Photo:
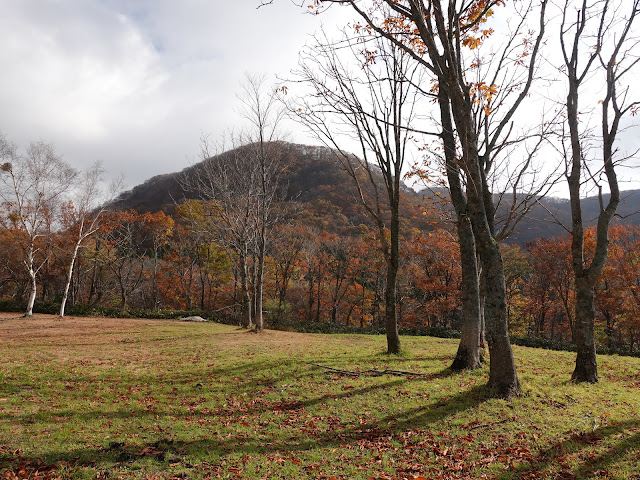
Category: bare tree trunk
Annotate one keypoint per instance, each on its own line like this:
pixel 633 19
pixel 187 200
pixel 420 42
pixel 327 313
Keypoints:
pixel 390 298
pixel 123 297
pixel 259 279
pixel 393 264
pixel 502 370
pixel 586 369
pixel 65 294
pixel 246 297
pixel 469 354
pixel 32 292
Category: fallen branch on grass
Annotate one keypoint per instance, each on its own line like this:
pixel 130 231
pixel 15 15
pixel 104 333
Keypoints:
pixel 490 424
pixel 369 373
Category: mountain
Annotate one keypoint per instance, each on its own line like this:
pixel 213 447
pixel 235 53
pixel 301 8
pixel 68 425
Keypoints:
pixel 551 216
pixel 318 183
pixel 314 179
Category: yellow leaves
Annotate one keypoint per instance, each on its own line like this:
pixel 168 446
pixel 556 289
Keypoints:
pixel 478 13
pixel 484 94
pixel 490 90
pixel 398 23
pixel 471 42
pixel 405 31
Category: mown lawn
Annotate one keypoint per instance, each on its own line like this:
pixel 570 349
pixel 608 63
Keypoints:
pixel 110 398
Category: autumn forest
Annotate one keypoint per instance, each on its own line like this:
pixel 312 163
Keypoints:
pixel 443 283
pixel 261 233
pixel 321 269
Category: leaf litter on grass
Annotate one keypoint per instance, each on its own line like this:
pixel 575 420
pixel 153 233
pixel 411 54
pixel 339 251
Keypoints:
pixel 209 401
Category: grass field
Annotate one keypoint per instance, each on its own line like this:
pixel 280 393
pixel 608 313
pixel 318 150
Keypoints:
pixel 110 398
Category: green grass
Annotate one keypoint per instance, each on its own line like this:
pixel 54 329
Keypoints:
pixel 151 399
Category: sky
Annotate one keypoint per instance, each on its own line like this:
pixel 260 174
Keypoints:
pixel 135 83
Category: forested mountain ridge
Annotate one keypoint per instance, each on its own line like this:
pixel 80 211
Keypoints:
pixel 316 180
pixel 313 178
pixel 550 216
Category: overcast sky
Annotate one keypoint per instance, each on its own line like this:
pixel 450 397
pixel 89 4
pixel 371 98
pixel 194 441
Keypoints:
pixel 133 83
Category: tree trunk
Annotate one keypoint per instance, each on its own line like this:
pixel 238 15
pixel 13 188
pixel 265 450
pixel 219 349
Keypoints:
pixel 469 355
pixel 32 294
pixel 393 264
pixel 503 378
pixel 390 295
pixel 334 313
pixel 65 294
pixel 318 295
pixel 586 365
pixel 246 298
pixel 258 318
pixel 203 287
pixel 32 281
pixel 123 297
pixel 502 370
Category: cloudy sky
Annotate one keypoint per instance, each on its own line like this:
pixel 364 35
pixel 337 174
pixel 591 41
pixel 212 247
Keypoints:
pixel 134 83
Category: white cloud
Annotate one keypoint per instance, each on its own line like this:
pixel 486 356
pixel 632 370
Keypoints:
pixel 133 83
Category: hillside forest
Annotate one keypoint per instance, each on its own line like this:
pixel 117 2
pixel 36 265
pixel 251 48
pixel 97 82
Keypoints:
pixel 265 233
pixel 322 273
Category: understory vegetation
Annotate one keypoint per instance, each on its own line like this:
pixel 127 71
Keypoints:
pixel 321 282
pixel 138 398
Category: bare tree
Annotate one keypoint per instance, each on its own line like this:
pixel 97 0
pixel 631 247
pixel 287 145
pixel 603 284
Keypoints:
pixel 375 105
pixel 243 187
pixel 598 45
pixel 32 186
pixel 227 185
pixel 123 253
pixel 265 152
pixel 82 214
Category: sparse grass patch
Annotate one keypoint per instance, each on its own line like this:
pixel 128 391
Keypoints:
pixel 98 398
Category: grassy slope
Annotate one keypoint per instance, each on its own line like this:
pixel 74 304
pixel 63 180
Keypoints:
pixel 87 398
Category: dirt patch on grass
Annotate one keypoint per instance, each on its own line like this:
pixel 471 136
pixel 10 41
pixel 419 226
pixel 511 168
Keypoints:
pixel 14 328
pixel 70 330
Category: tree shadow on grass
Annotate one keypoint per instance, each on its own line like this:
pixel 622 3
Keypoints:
pixel 249 406
pixel 294 435
pixel 595 455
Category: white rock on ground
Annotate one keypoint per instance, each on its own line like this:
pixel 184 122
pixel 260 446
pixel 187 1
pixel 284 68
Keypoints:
pixel 193 318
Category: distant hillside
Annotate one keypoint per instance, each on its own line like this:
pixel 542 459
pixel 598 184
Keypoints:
pixel 546 219
pixel 314 179
pixel 325 193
